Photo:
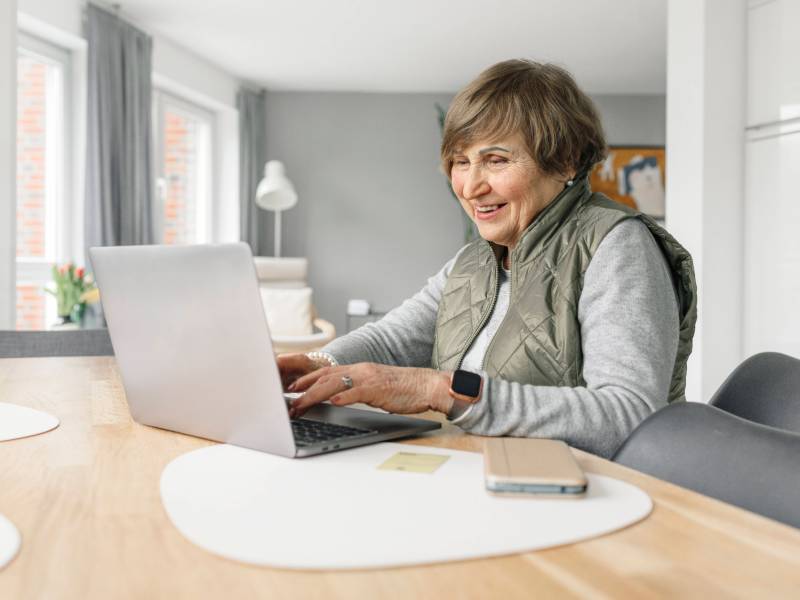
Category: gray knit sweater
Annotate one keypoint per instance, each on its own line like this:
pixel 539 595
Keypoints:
pixel 629 334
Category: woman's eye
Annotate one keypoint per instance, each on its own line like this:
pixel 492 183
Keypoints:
pixel 497 160
pixel 460 162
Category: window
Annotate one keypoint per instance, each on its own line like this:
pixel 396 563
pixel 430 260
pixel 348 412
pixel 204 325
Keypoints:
pixel 183 141
pixel 42 175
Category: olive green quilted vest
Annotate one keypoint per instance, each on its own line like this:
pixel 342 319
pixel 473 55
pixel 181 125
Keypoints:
pixel 539 340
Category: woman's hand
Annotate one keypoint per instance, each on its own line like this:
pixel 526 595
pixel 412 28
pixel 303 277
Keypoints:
pixel 294 366
pixel 402 390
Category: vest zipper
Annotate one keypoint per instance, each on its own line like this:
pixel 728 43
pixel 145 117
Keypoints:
pixel 500 326
pixel 485 318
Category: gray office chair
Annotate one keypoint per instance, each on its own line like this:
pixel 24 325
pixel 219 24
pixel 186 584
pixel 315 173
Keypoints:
pixel 705 449
pixel 765 389
pixel 82 342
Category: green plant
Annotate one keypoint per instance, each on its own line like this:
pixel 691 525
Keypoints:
pixel 71 284
pixel 469 227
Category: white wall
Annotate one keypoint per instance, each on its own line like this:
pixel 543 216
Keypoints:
pixel 8 162
pixel 193 72
pixel 63 15
pixel 706 69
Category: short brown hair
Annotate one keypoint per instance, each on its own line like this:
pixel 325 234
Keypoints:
pixel 541 101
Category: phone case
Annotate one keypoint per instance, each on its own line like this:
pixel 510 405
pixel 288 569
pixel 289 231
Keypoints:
pixel 532 467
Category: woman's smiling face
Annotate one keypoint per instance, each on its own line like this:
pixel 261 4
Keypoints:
pixel 501 188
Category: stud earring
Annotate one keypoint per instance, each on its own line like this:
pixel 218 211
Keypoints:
pixel 570 182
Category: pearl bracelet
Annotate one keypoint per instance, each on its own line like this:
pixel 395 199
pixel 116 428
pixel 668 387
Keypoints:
pixel 324 357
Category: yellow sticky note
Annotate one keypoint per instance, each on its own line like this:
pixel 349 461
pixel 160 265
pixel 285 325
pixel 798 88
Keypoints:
pixel 414 462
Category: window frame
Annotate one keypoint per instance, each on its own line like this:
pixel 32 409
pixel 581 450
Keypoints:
pixel 59 193
pixel 206 209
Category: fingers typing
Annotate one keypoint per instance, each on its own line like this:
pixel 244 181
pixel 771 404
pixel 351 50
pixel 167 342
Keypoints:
pixel 309 379
pixel 322 389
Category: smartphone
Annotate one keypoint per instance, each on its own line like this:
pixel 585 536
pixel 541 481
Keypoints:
pixel 532 467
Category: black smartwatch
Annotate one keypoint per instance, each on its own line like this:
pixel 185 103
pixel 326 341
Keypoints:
pixel 465 388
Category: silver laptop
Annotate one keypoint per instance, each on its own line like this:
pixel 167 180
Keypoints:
pixel 191 340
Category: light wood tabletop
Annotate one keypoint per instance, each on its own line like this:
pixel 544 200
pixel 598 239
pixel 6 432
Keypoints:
pixel 85 498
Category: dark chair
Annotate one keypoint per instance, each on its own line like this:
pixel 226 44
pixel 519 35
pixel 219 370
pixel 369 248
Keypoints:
pixel 707 450
pixel 81 342
pixel 764 389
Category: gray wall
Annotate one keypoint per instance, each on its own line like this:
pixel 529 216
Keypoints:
pixel 633 120
pixel 374 215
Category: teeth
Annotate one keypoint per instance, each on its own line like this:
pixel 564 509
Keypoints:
pixel 488 208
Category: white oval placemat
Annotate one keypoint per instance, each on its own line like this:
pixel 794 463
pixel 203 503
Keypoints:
pixel 20 421
pixel 9 541
pixel 339 511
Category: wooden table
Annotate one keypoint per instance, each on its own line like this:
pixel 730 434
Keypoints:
pixel 85 497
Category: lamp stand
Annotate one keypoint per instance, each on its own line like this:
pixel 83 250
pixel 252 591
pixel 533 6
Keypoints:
pixel 277 252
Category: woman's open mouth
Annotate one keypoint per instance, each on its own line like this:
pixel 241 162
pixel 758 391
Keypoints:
pixel 489 211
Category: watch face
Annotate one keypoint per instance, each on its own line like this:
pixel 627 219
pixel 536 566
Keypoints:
pixel 466 383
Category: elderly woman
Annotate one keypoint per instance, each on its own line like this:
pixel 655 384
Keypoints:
pixel 571 317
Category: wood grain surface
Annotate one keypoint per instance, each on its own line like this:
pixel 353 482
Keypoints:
pixel 85 498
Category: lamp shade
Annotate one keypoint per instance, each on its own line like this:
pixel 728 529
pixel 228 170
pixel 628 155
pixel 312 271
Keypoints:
pixel 275 191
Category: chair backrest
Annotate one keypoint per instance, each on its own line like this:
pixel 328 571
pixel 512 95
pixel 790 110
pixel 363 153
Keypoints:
pixel 81 342
pixel 765 389
pixel 720 455
pixel 281 272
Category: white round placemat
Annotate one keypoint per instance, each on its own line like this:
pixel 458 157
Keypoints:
pixel 20 421
pixel 9 541
pixel 338 511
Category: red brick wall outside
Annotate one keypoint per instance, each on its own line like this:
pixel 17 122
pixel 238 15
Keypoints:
pixel 31 127
pixel 31 181
pixel 30 307
pixel 180 172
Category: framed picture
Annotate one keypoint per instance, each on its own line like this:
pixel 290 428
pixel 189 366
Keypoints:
pixel 633 175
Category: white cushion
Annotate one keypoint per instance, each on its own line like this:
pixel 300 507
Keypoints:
pixel 288 310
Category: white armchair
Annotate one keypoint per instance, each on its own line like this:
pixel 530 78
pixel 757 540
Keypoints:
pixel 292 318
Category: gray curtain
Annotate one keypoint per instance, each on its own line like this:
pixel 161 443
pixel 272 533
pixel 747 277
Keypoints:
pixel 252 156
pixel 119 180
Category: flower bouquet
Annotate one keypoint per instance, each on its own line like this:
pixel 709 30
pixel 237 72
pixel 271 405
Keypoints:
pixel 72 288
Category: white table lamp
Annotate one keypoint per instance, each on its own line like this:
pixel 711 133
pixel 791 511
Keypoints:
pixel 276 193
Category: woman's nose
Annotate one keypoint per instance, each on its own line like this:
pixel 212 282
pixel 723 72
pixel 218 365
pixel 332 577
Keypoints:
pixel 475 184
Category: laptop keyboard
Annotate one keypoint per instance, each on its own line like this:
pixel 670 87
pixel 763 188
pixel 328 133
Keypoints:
pixel 308 433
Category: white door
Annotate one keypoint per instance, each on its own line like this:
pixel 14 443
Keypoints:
pixel 772 244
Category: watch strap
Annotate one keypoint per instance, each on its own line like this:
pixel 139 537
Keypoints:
pixel 459 410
